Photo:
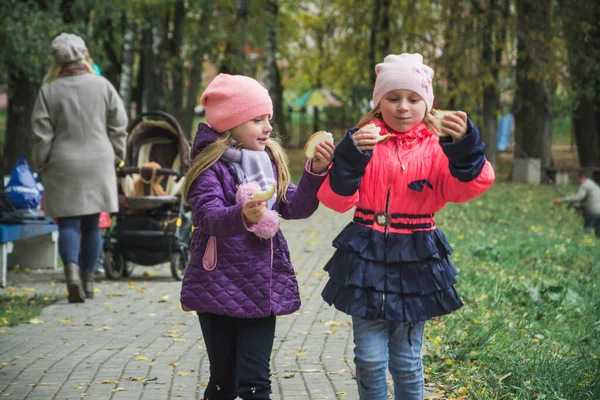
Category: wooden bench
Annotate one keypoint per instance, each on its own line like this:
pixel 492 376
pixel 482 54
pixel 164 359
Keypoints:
pixel 29 244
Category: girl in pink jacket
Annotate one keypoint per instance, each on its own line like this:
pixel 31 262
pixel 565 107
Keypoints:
pixel 391 271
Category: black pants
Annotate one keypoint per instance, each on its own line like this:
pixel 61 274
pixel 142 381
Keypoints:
pixel 239 351
pixel 591 223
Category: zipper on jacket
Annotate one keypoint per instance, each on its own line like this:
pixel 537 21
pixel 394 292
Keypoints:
pixel 385 235
pixel 271 281
pixel 400 158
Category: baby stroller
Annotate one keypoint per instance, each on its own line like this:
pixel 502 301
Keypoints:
pixel 152 225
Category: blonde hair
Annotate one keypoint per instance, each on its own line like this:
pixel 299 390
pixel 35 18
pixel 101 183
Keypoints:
pixel 54 69
pixel 375 113
pixel 213 152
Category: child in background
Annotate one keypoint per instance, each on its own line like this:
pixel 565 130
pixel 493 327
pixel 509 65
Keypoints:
pixel 588 194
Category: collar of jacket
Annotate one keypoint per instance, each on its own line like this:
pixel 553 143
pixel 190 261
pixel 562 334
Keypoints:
pixel 405 139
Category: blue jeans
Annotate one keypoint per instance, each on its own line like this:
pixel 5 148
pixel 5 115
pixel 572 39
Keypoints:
pixel 73 231
pixel 382 343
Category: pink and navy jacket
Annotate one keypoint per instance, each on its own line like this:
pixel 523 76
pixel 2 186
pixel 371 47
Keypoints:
pixel 391 261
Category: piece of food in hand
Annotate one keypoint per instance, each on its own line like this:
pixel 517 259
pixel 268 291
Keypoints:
pixel 314 140
pixel 266 195
pixel 382 138
pixel 439 115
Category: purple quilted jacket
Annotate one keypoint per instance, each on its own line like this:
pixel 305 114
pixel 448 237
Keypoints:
pixel 253 277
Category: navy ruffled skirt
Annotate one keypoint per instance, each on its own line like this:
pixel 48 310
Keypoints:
pixel 404 277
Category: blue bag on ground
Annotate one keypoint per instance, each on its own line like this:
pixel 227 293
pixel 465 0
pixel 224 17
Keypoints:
pixel 22 189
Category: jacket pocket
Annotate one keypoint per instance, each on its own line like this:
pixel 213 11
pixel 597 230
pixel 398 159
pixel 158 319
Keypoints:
pixel 420 184
pixel 209 260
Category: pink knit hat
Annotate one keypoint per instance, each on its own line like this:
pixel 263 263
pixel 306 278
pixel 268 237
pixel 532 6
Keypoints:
pixel 404 71
pixel 231 100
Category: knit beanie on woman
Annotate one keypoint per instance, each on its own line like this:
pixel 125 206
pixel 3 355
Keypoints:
pixel 404 72
pixel 231 100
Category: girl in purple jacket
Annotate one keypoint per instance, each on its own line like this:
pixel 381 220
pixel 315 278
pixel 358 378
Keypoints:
pixel 240 275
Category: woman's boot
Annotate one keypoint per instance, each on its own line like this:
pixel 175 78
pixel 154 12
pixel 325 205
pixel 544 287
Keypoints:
pixel 88 283
pixel 74 287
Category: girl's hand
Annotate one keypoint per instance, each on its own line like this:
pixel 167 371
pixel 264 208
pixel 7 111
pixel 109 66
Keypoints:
pixel 323 157
pixel 366 138
pixel 254 210
pixel 455 124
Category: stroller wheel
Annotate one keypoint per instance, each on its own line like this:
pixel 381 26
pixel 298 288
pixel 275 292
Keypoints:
pixel 179 262
pixel 128 270
pixel 114 265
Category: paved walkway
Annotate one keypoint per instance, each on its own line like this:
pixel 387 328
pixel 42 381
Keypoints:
pixel 133 341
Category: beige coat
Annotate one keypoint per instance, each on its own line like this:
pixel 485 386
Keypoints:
pixel 79 126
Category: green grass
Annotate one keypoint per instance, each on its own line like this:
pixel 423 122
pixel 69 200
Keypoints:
pixel 529 279
pixel 17 308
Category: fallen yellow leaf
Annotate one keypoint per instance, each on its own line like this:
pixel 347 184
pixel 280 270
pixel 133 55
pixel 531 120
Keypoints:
pixel 164 299
pixel 104 328
pixel 334 323
pixel 141 358
pixel 299 352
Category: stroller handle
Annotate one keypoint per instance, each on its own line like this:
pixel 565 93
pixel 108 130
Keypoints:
pixel 139 170
pixel 154 113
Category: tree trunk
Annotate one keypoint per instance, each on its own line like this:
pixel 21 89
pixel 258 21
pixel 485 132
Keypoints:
pixel 154 62
pixel 581 19
pixel 372 55
pixel 585 124
pixel 384 23
pixel 533 114
pixel 195 74
pixel 490 122
pixel 176 61
pixel 234 58
pixel 271 77
pixel 187 118
pixel 126 79
pixel 138 93
pixel 493 44
pixel 19 139
pixel 450 56
pixel 113 70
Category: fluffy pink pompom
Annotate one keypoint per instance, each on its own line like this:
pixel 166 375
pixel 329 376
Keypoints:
pixel 268 226
pixel 245 191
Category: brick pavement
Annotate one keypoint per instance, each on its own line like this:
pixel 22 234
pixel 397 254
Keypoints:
pixel 133 341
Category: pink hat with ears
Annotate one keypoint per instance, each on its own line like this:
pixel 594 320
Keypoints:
pixel 404 71
pixel 231 100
